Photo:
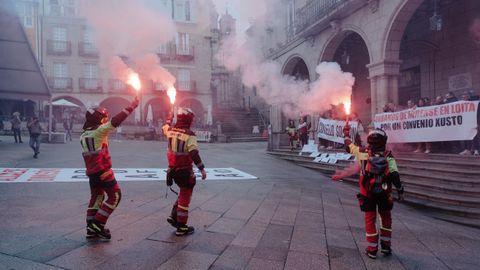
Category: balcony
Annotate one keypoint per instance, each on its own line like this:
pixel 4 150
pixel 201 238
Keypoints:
pixel 171 54
pixel 184 53
pixel 87 49
pixel 60 84
pixel 117 86
pixel 186 86
pixel 90 85
pixel 59 48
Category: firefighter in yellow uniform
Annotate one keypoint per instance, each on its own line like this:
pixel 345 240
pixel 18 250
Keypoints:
pixel 94 141
pixel 182 152
pixel 378 172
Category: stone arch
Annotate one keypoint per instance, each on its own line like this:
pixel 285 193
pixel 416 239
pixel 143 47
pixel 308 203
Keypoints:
pixel 396 27
pixel 197 107
pixel 68 112
pixel 160 108
pixel 297 67
pixel 115 105
pixel 331 45
pixel 351 51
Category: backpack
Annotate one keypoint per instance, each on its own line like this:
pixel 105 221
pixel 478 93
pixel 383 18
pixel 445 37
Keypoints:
pixel 375 171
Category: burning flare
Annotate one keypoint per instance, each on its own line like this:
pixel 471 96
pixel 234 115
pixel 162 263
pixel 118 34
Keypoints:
pixel 134 81
pixel 347 104
pixel 172 93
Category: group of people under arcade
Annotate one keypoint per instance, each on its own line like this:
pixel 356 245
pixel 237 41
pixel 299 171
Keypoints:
pixel 298 134
pixel 461 147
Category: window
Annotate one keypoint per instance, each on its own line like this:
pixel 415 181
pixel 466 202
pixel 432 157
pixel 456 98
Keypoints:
pixel 88 45
pixel 61 8
pixel 182 42
pixel 291 12
pixel 59 36
pixel 60 75
pixel 184 79
pixel 162 49
pixel 90 74
pixel 59 33
pixel 187 11
pixel 179 10
pixel 118 85
pixel 26 13
pixel 87 35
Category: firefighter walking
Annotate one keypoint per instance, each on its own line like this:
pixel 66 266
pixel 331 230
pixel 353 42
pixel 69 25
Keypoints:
pixel 94 141
pixel 182 152
pixel 378 171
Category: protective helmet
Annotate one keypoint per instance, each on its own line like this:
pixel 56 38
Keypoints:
pixel 377 139
pixel 94 116
pixel 184 117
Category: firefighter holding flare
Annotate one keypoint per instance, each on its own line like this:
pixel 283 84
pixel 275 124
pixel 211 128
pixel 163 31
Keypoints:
pixel 378 171
pixel 182 152
pixel 94 142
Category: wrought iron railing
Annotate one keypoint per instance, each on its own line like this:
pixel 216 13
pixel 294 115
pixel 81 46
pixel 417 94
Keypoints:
pixel 90 84
pixel 60 84
pixel 314 11
pixel 87 49
pixel 57 47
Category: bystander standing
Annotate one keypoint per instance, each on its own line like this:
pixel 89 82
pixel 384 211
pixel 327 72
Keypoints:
pixel 35 131
pixel 16 125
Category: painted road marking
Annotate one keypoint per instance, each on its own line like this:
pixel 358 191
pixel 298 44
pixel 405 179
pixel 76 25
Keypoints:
pixel 35 175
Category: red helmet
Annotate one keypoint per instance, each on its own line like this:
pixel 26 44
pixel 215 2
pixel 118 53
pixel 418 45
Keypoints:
pixel 184 117
pixel 94 116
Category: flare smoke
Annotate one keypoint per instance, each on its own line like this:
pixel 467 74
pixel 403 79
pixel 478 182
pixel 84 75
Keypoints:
pixel 295 97
pixel 131 29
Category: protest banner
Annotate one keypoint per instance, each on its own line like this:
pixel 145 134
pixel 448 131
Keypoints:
pixel 447 122
pixel 332 130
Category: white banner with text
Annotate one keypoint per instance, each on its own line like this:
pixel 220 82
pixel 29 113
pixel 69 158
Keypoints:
pixel 447 122
pixel 332 130
pixel 16 175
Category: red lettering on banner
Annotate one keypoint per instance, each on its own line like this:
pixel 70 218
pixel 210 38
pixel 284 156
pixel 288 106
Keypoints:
pixel 463 107
pixel 44 175
pixel 444 110
pixel 11 174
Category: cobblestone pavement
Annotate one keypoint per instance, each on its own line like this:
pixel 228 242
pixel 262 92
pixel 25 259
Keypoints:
pixel 291 218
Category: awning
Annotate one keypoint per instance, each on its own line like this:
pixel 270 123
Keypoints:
pixel 64 103
pixel 20 74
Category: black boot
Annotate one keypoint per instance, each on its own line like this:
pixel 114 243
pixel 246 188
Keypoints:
pixel 99 229
pixel 184 230
pixel 172 221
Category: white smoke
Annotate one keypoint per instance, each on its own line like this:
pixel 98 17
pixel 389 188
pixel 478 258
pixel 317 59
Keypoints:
pixel 131 29
pixel 295 97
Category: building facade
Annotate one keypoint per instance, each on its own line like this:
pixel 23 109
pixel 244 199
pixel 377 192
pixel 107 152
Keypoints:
pixel 397 50
pixel 71 61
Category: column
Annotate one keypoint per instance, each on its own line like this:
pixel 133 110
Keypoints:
pixel 384 83
pixel 276 122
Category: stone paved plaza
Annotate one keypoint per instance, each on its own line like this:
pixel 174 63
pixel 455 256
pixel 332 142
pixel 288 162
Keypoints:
pixel 290 218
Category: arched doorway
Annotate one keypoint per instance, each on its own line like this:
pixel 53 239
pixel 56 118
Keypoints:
pixel 297 68
pixel 115 105
pixel 160 108
pixel 437 56
pixel 67 112
pixel 197 108
pixel 350 51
